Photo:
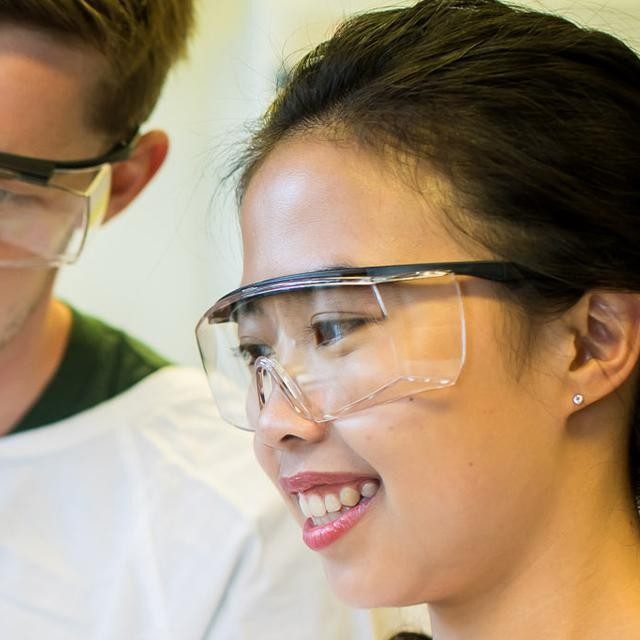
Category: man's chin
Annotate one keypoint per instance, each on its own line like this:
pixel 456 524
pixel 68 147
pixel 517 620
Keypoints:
pixel 22 302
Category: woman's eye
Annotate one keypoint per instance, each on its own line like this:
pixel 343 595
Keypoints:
pixel 251 352
pixel 329 332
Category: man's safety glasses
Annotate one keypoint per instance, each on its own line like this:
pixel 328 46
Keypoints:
pixel 47 207
pixel 337 341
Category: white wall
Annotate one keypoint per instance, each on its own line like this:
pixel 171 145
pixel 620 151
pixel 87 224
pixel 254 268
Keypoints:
pixel 155 269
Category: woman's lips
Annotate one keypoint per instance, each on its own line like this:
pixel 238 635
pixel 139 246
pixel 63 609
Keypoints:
pixel 306 480
pixel 318 537
pixel 332 503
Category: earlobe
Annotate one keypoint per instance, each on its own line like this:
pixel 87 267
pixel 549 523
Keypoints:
pixel 130 176
pixel 606 327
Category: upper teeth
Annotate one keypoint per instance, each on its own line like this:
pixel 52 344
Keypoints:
pixel 314 505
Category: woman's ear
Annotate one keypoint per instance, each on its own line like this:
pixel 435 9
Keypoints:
pixel 606 347
pixel 130 176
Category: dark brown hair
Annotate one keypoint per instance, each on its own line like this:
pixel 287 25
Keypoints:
pixel 139 39
pixel 534 121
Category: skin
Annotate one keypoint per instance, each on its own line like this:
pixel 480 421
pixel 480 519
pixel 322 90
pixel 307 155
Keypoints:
pixel 500 504
pixel 46 89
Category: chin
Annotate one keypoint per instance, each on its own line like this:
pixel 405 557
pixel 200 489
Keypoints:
pixel 23 292
pixel 384 586
pixel 367 589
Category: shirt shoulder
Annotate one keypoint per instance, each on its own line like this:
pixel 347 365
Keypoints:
pixel 151 502
pixel 99 363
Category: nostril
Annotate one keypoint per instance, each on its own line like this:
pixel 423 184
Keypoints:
pixel 281 424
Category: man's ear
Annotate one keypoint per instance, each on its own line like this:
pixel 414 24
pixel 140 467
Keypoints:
pixel 130 176
pixel 606 329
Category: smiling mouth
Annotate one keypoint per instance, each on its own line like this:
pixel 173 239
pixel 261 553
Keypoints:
pixel 329 503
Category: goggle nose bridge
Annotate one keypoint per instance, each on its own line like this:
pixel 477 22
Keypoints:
pixel 266 367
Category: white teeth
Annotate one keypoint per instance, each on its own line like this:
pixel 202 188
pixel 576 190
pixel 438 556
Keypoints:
pixel 324 509
pixel 332 503
pixel 316 505
pixel 369 489
pixel 304 506
pixel 326 519
pixel 349 496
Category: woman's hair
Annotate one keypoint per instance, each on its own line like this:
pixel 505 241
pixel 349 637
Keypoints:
pixel 533 121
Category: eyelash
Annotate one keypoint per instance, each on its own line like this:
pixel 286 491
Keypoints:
pixel 310 334
pixel 338 328
pixel 351 324
pixel 244 350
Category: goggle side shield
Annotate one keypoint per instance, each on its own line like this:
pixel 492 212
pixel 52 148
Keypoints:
pixel 46 224
pixel 48 206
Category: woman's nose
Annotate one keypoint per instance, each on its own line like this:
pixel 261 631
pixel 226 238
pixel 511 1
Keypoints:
pixel 280 424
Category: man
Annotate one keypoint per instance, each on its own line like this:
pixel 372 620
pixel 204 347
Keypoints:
pixel 127 511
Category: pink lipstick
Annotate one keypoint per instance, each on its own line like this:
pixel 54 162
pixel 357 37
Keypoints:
pixel 318 537
pixel 333 503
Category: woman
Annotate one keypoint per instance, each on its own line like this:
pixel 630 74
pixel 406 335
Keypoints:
pixel 441 367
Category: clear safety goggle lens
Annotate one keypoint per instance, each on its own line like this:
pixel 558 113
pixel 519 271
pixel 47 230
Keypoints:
pixel 47 224
pixel 330 351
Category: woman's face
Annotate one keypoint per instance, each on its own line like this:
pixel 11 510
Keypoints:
pixel 454 480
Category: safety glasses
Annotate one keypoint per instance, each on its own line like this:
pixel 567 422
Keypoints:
pixel 47 208
pixel 337 341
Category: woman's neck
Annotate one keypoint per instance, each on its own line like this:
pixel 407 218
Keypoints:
pixel 579 578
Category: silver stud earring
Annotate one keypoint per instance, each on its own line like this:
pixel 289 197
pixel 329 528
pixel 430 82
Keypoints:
pixel 578 399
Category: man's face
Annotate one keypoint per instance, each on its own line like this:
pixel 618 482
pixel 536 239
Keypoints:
pixel 46 88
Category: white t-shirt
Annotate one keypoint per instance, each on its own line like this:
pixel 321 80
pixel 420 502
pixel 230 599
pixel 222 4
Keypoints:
pixel 147 518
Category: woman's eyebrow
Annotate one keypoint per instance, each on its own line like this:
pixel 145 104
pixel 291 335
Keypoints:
pixel 246 310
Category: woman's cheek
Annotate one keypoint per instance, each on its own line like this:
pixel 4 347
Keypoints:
pixel 268 458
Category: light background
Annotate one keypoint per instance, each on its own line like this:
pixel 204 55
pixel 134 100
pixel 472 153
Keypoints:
pixel 157 267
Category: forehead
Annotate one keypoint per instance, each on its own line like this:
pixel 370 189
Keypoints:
pixel 46 90
pixel 315 204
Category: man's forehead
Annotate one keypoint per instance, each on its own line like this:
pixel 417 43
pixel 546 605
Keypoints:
pixel 46 89
pixel 49 47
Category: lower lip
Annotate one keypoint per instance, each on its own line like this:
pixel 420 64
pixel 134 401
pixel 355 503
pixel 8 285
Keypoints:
pixel 318 537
